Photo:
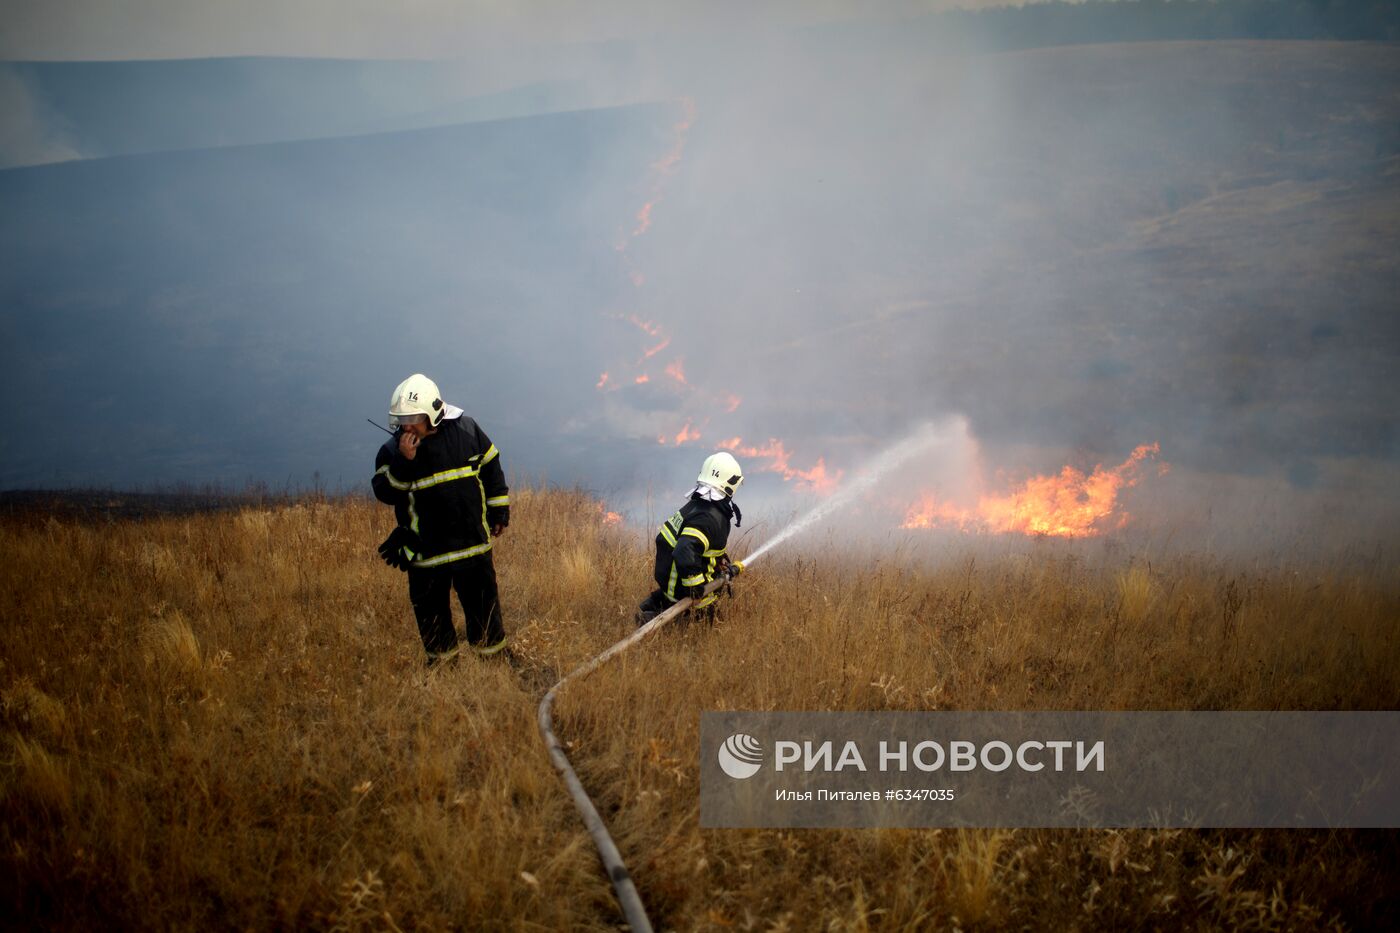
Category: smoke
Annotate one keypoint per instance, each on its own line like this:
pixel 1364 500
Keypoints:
pixel 794 236
pixel 1079 251
pixel 92 29
pixel 30 134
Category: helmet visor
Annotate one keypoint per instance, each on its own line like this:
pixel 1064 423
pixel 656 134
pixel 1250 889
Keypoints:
pixel 411 418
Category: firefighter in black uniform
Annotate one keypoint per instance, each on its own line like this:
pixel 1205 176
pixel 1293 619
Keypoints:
pixel 691 545
pixel 443 476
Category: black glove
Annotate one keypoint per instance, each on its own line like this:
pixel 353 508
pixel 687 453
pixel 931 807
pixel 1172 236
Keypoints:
pixel 498 515
pixel 729 569
pixel 392 549
pixel 696 592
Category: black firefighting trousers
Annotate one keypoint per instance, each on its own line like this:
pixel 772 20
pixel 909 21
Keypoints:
pixel 658 602
pixel 430 591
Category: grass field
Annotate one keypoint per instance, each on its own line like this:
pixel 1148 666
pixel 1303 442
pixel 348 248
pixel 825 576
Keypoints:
pixel 222 720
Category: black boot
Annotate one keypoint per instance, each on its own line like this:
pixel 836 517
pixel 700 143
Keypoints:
pixel 651 607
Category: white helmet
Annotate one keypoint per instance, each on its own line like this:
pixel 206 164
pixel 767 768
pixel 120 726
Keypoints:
pixel 721 471
pixel 416 398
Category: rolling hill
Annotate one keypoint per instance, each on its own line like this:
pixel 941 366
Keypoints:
pixel 1081 248
pixel 188 303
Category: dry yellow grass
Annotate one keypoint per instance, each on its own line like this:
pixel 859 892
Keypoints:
pixel 223 720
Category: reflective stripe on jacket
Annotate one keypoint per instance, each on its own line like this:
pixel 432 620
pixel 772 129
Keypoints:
pixel 689 545
pixel 450 493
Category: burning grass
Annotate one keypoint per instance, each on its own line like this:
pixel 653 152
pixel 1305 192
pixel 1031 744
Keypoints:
pixel 222 720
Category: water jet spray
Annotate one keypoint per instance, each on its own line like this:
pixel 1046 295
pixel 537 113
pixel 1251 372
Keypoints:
pixel 921 440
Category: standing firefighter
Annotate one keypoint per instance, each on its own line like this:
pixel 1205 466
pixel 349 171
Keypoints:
pixel 443 476
pixel 690 547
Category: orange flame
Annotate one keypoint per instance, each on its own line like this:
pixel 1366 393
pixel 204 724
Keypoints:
pixel 731 403
pixel 816 478
pixel 1067 505
pixel 665 166
pixel 606 382
pixel 611 518
pixel 676 370
pixel 644 218
pixel 668 162
pixel 684 436
pixel 660 171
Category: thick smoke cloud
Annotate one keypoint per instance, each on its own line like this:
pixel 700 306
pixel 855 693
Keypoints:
pixel 842 231
pixel 94 29
pixel 29 133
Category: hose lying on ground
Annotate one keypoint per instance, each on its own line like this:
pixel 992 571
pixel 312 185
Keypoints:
pixel 627 895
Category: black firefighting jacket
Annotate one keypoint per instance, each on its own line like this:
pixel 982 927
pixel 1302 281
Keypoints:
pixel 689 546
pixel 450 493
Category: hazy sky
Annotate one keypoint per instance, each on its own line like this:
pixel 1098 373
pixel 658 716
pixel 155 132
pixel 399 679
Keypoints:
pixel 118 29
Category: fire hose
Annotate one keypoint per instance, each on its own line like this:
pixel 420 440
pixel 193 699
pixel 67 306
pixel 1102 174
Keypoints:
pixel 920 440
pixel 627 896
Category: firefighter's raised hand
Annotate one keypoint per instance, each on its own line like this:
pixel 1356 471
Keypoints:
pixel 408 444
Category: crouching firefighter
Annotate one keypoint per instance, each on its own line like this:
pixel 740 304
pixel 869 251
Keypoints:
pixel 691 544
pixel 443 476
